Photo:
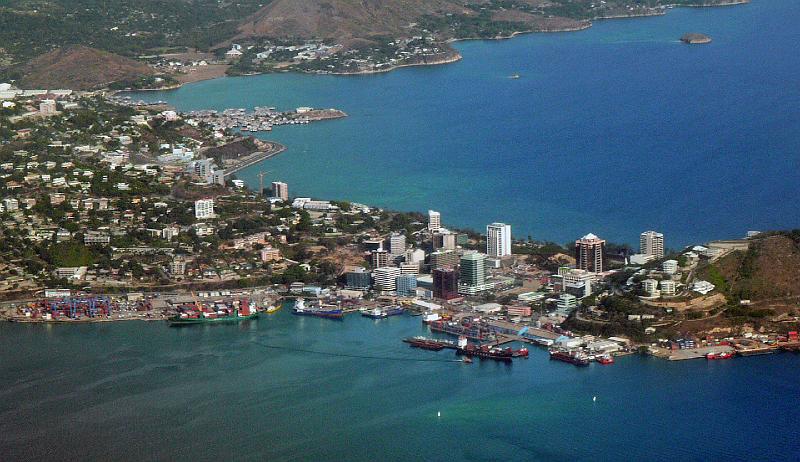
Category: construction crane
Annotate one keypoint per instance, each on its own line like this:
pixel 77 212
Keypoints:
pixel 261 182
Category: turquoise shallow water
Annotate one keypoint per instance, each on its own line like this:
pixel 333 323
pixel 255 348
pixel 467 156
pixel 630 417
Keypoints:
pixel 144 391
pixel 614 130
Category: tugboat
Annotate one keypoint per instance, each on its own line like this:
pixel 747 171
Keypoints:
pixel 723 355
pixel 320 311
pixel 572 357
pixel 521 353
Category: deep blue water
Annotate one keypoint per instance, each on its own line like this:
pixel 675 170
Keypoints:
pixel 614 130
pixel 144 391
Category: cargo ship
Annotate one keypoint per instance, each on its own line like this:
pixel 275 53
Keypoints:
pixel 469 330
pixel 319 311
pixel 429 343
pixel 214 312
pixel 486 352
pixel 572 357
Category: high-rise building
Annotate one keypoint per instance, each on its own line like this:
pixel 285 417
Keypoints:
pixel 444 241
pixel 589 253
pixel 204 208
pixel 472 273
pixel 358 279
pixel 444 259
pixel 498 240
pixel 406 285
pixel 386 278
pixel 651 243
pixel 280 190
pixel 397 244
pixel 380 258
pixel 434 221
pixel 445 283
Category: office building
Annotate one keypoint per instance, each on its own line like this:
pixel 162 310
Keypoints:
pixel 578 282
pixel 359 279
pixel 444 259
pixel 380 258
pixel 472 274
pixel 406 285
pixel 445 283
pixel 397 245
pixel 204 208
pixel 409 268
pixel 280 190
pixel 415 256
pixel 651 243
pixel 444 241
pixel 386 278
pixel 589 253
pixel 434 221
pixel 498 240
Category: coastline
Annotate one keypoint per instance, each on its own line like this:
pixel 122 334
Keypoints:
pixel 456 56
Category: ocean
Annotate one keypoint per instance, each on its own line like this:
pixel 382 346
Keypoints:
pixel 613 130
pixel 144 391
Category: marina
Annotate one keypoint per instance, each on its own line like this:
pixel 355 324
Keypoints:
pixel 262 119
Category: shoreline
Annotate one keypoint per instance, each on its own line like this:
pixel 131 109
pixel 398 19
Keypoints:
pixel 456 56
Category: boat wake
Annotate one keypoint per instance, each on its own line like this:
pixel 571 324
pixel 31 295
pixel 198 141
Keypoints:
pixel 348 355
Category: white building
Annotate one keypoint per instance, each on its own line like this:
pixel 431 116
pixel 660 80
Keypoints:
pixel 204 208
pixel 651 287
pixel 567 302
pixel 48 107
pixel 416 256
pixel 651 243
pixel 397 244
pixel 578 282
pixel 670 266
pixel 668 288
pixel 386 278
pixel 498 240
pixel 434 221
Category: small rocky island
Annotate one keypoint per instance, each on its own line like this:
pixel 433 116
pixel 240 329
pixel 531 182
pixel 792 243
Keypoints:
pixel 695 39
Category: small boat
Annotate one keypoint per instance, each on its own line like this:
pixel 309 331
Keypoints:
pixel 605 359
pixel 467 360
pixel 273 308
pixel 514 76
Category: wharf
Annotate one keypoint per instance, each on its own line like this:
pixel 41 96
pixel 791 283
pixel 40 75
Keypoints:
pixel 697 353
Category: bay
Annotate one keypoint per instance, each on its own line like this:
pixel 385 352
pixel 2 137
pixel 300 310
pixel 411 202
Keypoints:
pixel 613 130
